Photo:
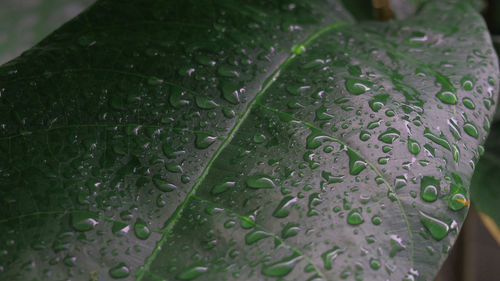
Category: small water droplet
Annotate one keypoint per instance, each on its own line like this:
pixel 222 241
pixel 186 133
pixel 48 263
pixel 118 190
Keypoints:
pixel 282 267
pixel 204 102
pixel 354 217
pixel 283 208
pixel 255 235
pixel 119 271
pixel 222 187
pixel 258 181
pixel 330 255
pixel 84 220
pixel 162 184
pixel 413 146
pixel 192 272
pixel 357 86
pixel 141 229
pixel 290 230
pixel 204 140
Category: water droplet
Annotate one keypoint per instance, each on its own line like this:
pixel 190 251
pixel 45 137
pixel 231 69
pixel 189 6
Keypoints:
pixel 468 103
pixel 429 188
pixel 471 129
pixel 376 220
pixel 315 139
pixel 356 163
pixel 389 136
pixel 120 228
pixel 173 167
pixel 457 201
pixel 255 235
pixel 354 217
pixel 437 228
pixel 178 98
pixel 228 71
pixel 298 49
pixel 329 256
pixel 283 208
pixel 258 181
pixel 357 86
pixel 204 140
pixel 162 184
pixel 141 229
pixel 192 272
pixel 441 140
pixel 119 271
pixel 84 220
pixel 282 267
pixel 447 97
pixel 222 187
pixel 290 230
pixel 396 245
pixel 231 92
pixel 364 135
pixel 467 83
pixel 413 146
pixel 259 138
pixel 204 102
pixel 374 263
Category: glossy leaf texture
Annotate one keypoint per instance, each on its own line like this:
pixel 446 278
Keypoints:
pixel 405 8
pixel 225 140
pixel 24 23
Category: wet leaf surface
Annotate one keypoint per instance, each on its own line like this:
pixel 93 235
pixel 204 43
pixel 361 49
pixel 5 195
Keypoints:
pixel 152 140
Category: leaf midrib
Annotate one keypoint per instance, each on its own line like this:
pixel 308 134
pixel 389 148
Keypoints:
pixel 167 229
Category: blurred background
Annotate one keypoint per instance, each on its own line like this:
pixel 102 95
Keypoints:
pixel 476 254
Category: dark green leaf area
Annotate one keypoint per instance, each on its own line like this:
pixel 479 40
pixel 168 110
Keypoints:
pixel 227 140
pixel 485 186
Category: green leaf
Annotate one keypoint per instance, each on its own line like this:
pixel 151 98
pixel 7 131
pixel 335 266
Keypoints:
pixel 485 191
pixel 24 23
pixel 221 140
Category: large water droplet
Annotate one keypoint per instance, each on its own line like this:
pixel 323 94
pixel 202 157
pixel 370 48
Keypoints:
pixel 429 188
pixel 447 97
pixel 437 228
pixel 389 136
pixel 471 129
pixel 356 163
